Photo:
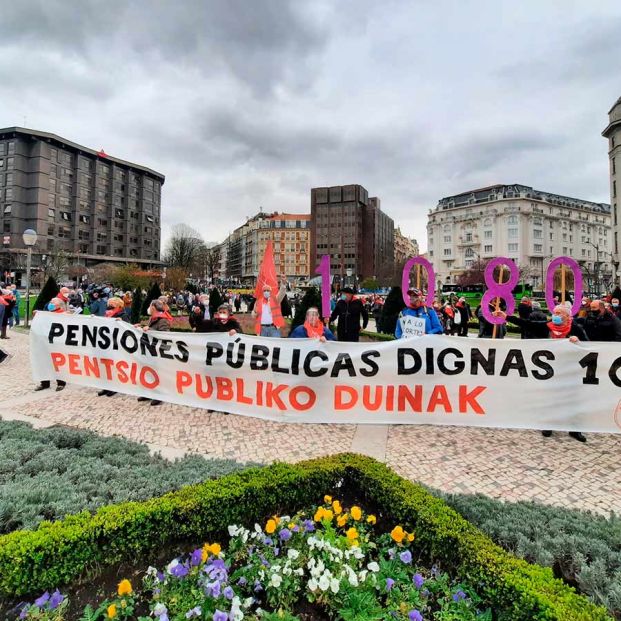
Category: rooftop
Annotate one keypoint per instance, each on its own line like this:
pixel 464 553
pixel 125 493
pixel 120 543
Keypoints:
pixel 516 190
pixel 48 137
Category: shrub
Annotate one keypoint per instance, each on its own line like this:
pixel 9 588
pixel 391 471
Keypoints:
pixel 311 298
pixel 47 474
pixel 61 551
pixel 585 549
pixel 390 311
pixel 153 293
pixel 50 290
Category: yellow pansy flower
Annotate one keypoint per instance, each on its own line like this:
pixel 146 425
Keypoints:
pixel 327 499
pixel 215 549
pixel 371 519
pixel 341 520
pixel 270 527
pixel 411 537
pixel 111 611
pixel 352 533
pixel 125 588
pixel 356 513
pixel 397 534
pixel 336 505
pixel 319 514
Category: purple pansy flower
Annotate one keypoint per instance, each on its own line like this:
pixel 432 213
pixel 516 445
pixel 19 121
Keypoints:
pixel 216 569
pixel 414 615
pixel 220 616
pixel 257 586
pixel 213 589
pixel 179 570
pixel 296 529
pixel 276 551
pixel 24 611
pixel 242 581
pixel 195 612
pixel 418 581
pixel 197 558
pixel 228 592
pixel 285 534
pixel 309 526
pixel 459 596
pixel 268 541
pixel 389 583
pixel 41 601
pixel 406 557
pixel 391 554
pixel 56 599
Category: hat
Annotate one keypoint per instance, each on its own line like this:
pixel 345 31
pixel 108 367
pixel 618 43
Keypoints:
pixel 414 291
pixel 347 290
pixel 224 307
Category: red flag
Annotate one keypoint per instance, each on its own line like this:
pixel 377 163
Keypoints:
pixel 267 272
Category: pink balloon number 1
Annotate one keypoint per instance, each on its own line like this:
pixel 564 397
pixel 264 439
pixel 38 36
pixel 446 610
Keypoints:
pixel 324 271
pixel 431 279
pixel 577 272
pixel 504 291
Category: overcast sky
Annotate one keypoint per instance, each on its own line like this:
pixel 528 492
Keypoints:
pixel 249 103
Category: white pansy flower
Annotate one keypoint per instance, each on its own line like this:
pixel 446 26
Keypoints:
pixel 335 585
pixel 353 579
pixel 357 552
pixel 248 602
pixel 362 576
pixel 373 566
pixel 298 572
pixel 324 582
pixel 232 530
pixel 275 580
pixel 312 584
pixel 293 554
pixel 286 571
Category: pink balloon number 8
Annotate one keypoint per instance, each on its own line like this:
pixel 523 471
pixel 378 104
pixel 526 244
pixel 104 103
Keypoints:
pixel 495 289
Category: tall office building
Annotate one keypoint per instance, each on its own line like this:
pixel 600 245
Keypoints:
pixel 93 206
pixel 527 225
pixel 613 133
pixel 354 231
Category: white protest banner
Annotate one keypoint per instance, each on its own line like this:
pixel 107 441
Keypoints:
pixel 439 380
pixel 411 326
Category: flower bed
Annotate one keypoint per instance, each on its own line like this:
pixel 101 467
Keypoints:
pixel 331 561
pixel 59 553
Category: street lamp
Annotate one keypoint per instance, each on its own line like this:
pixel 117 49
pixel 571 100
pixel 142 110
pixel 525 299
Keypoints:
pixel 30 239
pixel 349 272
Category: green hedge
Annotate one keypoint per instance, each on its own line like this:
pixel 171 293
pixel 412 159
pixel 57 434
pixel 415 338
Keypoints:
pixel 59 552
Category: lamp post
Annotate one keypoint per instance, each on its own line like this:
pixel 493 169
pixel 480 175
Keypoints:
pixel 30 239
pixel 349 272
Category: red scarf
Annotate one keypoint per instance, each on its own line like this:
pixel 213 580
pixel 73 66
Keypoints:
pixel 114 312
pixel 313 332
pixel 559 332
pixel 159 314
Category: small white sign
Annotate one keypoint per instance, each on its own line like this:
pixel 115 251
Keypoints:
pixel 412 327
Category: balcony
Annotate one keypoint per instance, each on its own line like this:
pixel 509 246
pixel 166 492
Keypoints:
pixel 463 242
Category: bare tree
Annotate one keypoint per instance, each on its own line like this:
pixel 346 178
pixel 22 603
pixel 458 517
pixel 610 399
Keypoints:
pixel 56 264
pixel 212 261
pixel 184 248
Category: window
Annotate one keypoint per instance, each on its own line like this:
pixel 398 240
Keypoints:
pixel 487 248
pixel 512 220
pixel 50 231
pixel 7 227
pixel 447 252
pixel 447 238
pixel 487 234
pixel 512 233
pixel 8 194
pixel 468 237
pixel 583 252
pixel 537 221
pixel 51 213
pixel 538 234
pixel 513 248
pixel 7 209
pixel 53 155
pixel 11 148
pixel 65 215
pixel 538 248
pixel 85 219
pixel 469 252
pixel 487 222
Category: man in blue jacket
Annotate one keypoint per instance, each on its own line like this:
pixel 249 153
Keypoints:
pixel 417 319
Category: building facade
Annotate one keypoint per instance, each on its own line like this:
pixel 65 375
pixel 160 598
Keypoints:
pixel 527 225
pixel 405 247
pixel 90 205
pixel 613 134
pixel 244 248
pixel 353 230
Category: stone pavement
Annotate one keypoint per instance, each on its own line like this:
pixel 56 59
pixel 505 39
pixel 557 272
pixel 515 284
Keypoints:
pixel 502 463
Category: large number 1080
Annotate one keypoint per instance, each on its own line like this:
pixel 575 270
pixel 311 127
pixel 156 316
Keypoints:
pixel 502 291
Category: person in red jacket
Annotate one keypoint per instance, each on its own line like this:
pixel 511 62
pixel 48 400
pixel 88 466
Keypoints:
pixel 267 312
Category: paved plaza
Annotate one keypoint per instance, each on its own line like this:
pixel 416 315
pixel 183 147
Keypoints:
pixel 507 464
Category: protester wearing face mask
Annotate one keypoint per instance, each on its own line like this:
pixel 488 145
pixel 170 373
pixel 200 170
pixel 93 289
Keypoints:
pixel 616 308
pixel 600 324
pixel 7 301
pixel 223 321
pixel 349 311
pixel 463 308
pixel 200 317
pixel 114 310
pixel 312 328
pixel 416 308
pixel 267 311
pixel 55 305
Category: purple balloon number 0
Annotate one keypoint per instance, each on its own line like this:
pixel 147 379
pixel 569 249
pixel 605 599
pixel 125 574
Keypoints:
pixel 431 279
pixel 499 290
pixel 577 272
pixel 324 271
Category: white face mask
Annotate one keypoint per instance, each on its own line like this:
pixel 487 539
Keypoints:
pixel 266 294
